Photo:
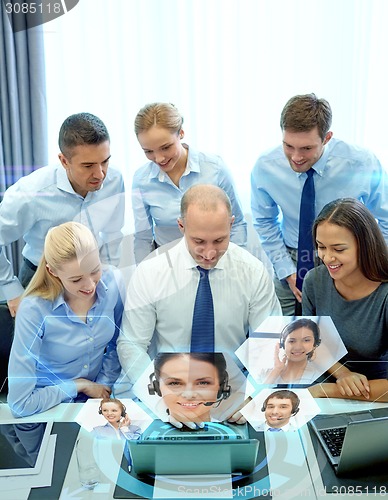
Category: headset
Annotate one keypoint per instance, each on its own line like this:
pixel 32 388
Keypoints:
pixel 223 391
pixel 284 394
pixel 123 411
pixel 301 323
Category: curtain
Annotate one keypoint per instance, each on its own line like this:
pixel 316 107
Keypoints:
pixel 23 112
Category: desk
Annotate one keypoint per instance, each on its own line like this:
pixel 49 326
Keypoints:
pixel 292 466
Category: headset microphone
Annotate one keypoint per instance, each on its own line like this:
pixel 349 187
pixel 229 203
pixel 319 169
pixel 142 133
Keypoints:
pixel 211 403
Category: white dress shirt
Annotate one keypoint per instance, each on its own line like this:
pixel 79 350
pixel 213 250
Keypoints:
pixel 161 299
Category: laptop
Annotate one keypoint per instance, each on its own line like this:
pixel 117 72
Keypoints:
pixel 353 441
pixel 215 449
pixel 23 447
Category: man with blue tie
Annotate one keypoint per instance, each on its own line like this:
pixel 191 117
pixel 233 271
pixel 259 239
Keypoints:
pixel 286 200
pixel 203 294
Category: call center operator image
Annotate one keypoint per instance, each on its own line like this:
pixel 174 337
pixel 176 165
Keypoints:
pixel 190 385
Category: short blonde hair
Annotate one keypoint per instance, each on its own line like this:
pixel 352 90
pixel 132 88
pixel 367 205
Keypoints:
pixel 63 243
pixel 161 114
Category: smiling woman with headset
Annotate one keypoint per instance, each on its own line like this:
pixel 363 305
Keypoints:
pixel 190 384
pixel 118 424
pixel 298 340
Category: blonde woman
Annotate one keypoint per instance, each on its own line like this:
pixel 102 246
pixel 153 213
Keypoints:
pixel 66 328
pixel 173 167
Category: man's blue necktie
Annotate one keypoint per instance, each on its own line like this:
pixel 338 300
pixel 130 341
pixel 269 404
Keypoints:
pixel 202 333
pixel 306 221
pixel 274 429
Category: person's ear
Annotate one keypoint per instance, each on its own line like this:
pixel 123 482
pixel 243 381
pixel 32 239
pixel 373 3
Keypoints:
pixel 180 225
pixel 328 136
pixel 181 134
pixel 232 221
pixel 63 160
pixel 51 271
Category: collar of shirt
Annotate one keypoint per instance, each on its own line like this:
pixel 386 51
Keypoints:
pixel 101 291
pixel 320 166
pixel 192 166
pixel 284 428
pixel 64 184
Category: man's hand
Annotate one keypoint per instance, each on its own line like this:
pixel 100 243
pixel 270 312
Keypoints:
pixel 92 389
pixel 353 384
pixel 291 280
pixel 317 390
pixel 13 305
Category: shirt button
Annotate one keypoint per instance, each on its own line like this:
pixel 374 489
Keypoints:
pixel 90 319
pixel 85 366
pixel 90 339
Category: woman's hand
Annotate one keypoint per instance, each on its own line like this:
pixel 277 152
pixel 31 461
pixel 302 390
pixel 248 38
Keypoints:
pixel 179 421
pixel 92 389
pixel 279 366
pixel 13 305
pixel 125 421
pixel 353 384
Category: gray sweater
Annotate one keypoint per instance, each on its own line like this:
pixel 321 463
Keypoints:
pixel 362 324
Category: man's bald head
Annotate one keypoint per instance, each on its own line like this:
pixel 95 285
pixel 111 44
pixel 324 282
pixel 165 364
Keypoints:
pixel 206 197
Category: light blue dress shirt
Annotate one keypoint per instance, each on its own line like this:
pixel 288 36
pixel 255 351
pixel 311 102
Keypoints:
pixel 156 200
pixel 52 347
pixel 343 171
pixel 107 431
pixel 44 199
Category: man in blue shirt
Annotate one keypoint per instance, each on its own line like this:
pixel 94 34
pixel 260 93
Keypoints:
pixel 340 170
pixel 81 188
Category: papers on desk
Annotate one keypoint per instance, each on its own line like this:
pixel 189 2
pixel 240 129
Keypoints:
pixel 18 487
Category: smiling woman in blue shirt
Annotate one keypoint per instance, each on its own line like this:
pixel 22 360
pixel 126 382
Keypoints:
pixel 173 168
pixel 66 328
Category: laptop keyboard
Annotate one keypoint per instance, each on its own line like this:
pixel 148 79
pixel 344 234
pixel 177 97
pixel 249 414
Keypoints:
pixel 334 439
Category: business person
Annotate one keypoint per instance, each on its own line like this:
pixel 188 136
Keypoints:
pixel 118 424
pixel 352 287
pixel 299 177
pixel 279 408
pixel 81 188
pixel 298 342
pixel 66 328
pixel 190 385
pixel 160 310
pixel 173 167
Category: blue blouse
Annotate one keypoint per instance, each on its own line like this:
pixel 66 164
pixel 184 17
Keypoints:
pixel 156 200
pixel 53 346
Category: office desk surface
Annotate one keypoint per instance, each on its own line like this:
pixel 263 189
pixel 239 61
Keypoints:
pixel 292 466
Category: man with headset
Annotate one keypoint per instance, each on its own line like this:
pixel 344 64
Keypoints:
pixel 278 409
